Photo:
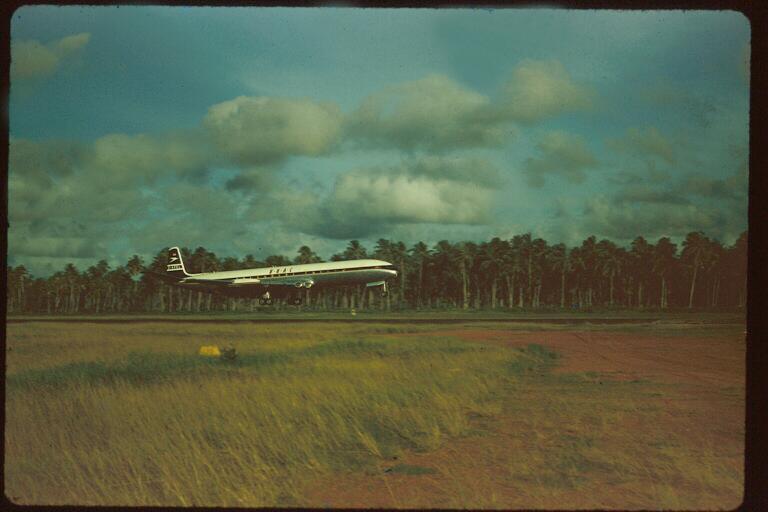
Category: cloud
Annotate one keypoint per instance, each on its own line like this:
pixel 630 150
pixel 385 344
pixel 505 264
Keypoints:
pixel 191 214
pixel 603 217
pixel 250 179
pixel 143 157
pixel 70 44
pixel 644 142
pixel 438 114
pixel 477 171
pixel 644 193
pixel 39 161
pixel 434 113
pixel 539 90
pixel 53 246
pixel 666 95
pixel 563 155
pixel 732 188
pixel 62 193
pixel 402 198
pixel 717 206
pixel 364 201
pixel 31 59
pixel 96 180
pixel 263 130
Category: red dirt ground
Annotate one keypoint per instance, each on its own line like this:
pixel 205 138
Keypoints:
pixel 619 355
pixel 705 401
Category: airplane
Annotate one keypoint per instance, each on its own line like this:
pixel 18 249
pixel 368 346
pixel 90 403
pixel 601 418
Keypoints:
pixel 286 281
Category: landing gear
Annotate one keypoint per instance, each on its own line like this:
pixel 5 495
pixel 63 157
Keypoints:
pixel 265 300
pixel 384 290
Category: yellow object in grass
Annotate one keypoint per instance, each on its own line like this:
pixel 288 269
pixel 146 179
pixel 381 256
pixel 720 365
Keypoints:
pixel 210 351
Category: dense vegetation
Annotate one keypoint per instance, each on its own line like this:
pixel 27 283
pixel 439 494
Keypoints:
pixel 521 273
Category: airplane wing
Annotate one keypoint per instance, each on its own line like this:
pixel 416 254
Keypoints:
pixel 290 281
pixel 297 282
pixel 170 279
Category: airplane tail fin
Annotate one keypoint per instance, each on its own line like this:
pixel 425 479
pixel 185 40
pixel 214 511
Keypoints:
pixel 175 266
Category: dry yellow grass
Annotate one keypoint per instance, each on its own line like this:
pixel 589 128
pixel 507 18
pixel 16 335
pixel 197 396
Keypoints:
pixel 83 426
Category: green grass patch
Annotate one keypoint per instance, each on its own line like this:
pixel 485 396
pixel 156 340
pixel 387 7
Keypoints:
pixel 136 368
pixel 408 469
pixel 533 358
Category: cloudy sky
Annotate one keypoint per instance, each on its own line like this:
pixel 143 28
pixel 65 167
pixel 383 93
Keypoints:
pixel 258 130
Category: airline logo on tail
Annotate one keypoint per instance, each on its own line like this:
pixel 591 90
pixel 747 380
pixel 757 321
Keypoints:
pixel 174 261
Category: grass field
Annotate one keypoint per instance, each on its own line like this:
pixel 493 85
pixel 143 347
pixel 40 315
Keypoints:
pixel 371 414
pixel 292 313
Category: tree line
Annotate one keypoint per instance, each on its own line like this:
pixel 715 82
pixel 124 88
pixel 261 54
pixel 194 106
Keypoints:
pixel 522 273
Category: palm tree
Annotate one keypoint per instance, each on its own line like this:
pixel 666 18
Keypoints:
pixel 232 263
pixel 95 281
pixel 584 261
pixel 462 275
pixel 277 260
pixel 135 267
pixel 696 248
pixel 737 258
pixel 663 262
pixel 73 280
pixel 152 291
pixel 354 251
pixel 198 262
pixel 400 258
pixel 558 257
pixel 463 257
pixel 447 265
pixel 492 256
pixel 610 260
pixel 522 255
pixel 119 284
pixel 384 251
pixel 305 256
pixel 714 268
pixel 58 285
pixel 250 262
pixel 641 256
pixel 538 259
pixel 420 256
pixel 17 278
pixel 396 253
pixel 511 269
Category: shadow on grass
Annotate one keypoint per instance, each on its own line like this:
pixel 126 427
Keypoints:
pixel 149 367
pixel 140 368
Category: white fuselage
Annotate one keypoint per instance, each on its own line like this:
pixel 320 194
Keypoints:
pixel 309 269
pixel 366 271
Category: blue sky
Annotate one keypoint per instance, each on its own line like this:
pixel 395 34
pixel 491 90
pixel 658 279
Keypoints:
pixel 257 130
